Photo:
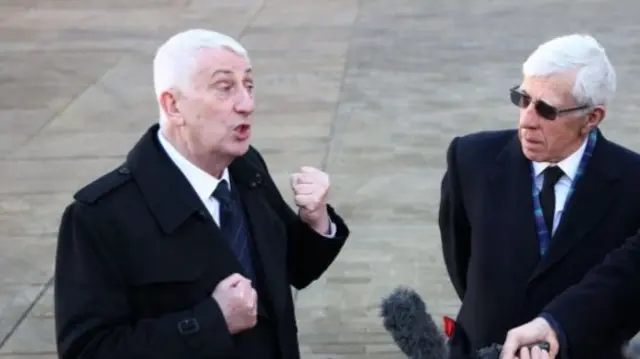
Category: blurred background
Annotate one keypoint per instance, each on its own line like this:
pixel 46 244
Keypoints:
pixel 370 90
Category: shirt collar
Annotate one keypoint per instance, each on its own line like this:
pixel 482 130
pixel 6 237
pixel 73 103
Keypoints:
pixel 203 183
pixel 569 165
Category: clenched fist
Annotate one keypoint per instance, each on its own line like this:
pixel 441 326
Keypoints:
pixel 310 189
pixel 238 301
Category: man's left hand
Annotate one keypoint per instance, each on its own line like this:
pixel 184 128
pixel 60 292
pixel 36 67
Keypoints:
pixel 310 189
pixel 533 353
pixel 537 330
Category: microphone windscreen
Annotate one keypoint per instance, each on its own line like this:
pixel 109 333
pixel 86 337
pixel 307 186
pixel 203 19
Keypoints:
pixel 632 349
pixel 405 317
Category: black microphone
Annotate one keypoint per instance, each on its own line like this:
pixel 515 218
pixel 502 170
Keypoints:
pixel 412 328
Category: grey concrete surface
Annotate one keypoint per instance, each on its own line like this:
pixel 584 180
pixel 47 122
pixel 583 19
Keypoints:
pixel 370 90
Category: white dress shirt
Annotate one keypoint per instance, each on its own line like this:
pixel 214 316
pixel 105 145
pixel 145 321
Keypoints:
pixel 570 168
pixel 203 183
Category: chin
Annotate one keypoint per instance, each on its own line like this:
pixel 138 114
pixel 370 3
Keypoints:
pixel 533 156
pixel 239 149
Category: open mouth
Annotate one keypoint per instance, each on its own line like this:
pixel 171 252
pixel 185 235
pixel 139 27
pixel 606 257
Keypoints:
pixel 242 128
pixel 242 132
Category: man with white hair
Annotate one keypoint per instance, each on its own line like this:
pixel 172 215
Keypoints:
pixel 525 213
pixel 188 250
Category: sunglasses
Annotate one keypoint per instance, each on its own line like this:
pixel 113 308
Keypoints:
pixel 542 108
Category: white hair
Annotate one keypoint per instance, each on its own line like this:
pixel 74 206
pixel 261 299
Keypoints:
pixel 175 60
pixel 595 82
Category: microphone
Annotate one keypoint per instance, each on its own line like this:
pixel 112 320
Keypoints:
pixel 414 331
pixel 412 328
pixel 632 349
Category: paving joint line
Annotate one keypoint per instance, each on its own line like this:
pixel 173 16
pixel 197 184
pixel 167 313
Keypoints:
pixel 65 107
pixel 345 71
pixel 335 119
pixel 25 314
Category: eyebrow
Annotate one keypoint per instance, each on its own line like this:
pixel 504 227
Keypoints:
pixel 545 100
pixel 228 72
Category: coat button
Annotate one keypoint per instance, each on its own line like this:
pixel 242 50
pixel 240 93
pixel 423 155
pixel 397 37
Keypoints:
pixel 188 326
pixel 202 214
pixel 257 181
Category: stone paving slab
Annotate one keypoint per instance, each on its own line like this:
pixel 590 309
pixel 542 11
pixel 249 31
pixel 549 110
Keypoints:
pixel 35 333
pixel 370 90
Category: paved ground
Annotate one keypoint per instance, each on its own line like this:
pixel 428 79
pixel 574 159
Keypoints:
pixel 372 90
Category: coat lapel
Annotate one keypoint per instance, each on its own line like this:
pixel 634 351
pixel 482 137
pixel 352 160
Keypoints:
pixel 165 189
pixel 269 245
pixel 173 203
pixel 511 201
pixel 591 200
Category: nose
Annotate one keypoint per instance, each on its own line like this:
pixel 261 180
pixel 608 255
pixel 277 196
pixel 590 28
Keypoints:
pixel 245 103
pixel 528 117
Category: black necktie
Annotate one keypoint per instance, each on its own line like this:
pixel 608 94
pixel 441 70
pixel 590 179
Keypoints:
pixel 548 195
pixel 233 227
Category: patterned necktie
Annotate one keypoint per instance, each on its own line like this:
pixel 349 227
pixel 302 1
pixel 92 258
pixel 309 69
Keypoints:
pixel 548 195
pixel 234 228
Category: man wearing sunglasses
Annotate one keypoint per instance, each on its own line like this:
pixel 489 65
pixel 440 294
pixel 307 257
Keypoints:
pixel 525 213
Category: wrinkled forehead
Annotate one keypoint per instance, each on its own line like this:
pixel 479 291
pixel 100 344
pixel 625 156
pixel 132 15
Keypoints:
pixel 555 89
pixel 221 61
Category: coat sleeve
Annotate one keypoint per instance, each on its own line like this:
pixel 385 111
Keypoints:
pixel 93 316
pixel 455 230
pixel 309 254
pixel 606 299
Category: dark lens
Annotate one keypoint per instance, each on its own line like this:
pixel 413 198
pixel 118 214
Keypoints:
pixel 519 99
pixel 546 111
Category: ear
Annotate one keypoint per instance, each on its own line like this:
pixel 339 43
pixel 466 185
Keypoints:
pixel 595 118
pixel 169 103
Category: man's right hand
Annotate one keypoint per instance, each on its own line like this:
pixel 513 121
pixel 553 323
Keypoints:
pixel 238 301
pixel 537 330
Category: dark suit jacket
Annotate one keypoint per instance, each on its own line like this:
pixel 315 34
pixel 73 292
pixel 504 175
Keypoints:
pixel 607 298
pixel 138 258
pixel 489 238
